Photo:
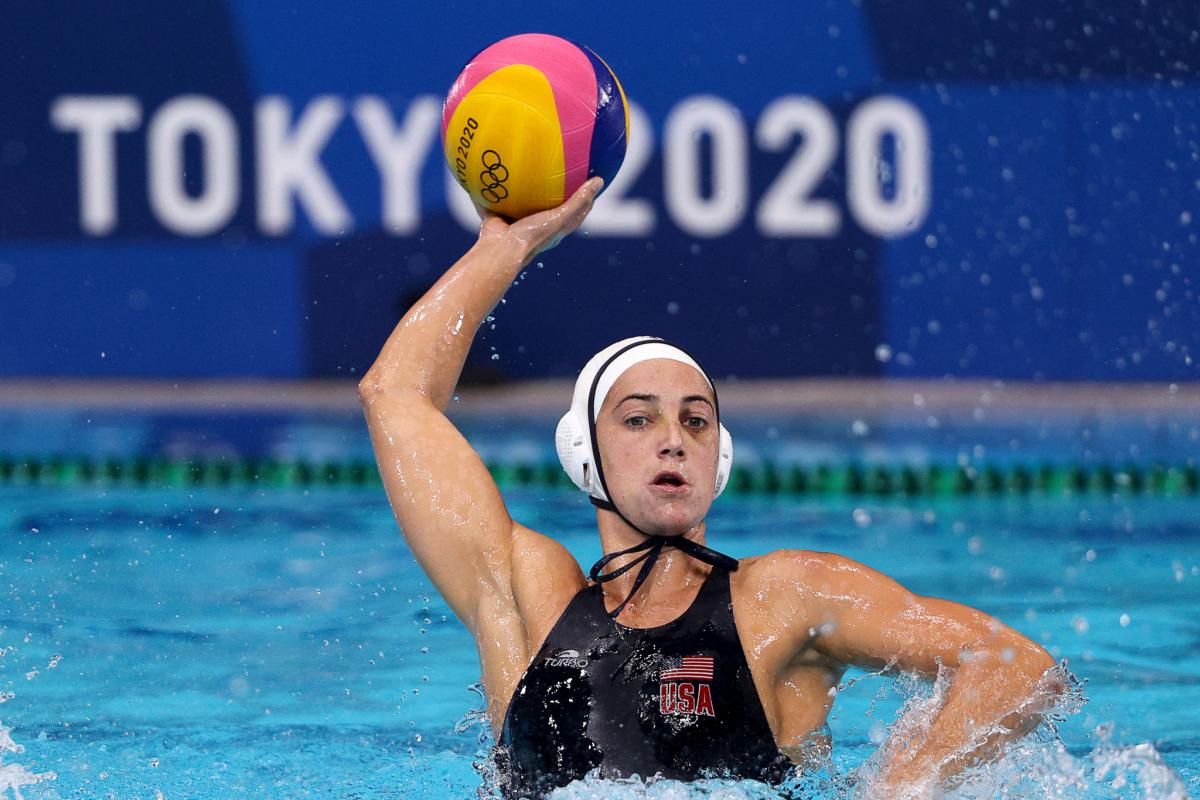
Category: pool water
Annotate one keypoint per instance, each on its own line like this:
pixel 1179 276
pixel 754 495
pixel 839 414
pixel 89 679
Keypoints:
pixel 283 644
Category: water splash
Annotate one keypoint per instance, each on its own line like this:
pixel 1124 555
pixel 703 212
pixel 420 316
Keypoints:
pixel 16 776
pixel 593 788
pixel 484 762
pixel 476 716
pixel 1036 766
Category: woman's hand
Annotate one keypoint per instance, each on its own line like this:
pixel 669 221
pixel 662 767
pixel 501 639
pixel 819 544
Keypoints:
pixel 540 232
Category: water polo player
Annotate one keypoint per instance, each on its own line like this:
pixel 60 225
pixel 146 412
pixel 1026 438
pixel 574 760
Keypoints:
pixel 673 659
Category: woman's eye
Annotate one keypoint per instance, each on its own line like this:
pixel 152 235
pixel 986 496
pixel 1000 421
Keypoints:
pixel 636 422
pixel 697 422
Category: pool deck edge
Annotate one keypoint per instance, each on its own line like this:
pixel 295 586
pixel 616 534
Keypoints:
pixel 806 395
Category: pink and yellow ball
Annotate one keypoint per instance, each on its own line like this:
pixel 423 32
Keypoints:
pixel 530 119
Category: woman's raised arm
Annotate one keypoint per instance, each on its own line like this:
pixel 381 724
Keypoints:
pixel 447 505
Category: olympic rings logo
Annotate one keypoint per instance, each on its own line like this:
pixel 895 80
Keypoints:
pixel 493 177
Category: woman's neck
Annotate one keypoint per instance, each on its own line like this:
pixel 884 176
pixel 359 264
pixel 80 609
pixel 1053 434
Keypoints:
pixel 671 586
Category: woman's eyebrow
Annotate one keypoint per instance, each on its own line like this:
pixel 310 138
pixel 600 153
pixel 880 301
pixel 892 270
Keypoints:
pixel 697 398
pixel 645 398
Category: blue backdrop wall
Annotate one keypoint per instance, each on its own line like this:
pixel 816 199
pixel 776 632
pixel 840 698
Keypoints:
pixel 857 187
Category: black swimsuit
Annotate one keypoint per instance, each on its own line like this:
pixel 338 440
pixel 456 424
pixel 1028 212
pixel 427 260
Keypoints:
pixel 676 701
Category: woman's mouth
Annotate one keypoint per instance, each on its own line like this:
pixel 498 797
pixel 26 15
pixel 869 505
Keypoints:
pixel 670 482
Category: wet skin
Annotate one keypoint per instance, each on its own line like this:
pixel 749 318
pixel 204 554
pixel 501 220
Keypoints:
pixel 802 617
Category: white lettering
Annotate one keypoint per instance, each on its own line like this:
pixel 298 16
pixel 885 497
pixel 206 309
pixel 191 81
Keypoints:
pixel 788 208
pixel 906 210
pixel 686 125
pixel 214 125
pixel 400 155
pixel 97 120
pixel 289 164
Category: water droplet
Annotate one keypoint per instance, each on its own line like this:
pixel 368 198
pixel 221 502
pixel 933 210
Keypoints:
pixel 883 353
pixel 495 356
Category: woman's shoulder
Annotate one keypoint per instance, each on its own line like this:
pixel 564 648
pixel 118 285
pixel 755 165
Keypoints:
pixel 545 576
pixel 794 565
pixel 544 553
pixel 788 575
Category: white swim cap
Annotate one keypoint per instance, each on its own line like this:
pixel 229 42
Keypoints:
pixel 574 438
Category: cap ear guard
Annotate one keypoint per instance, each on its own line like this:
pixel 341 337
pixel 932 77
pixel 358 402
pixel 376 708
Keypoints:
pixel 574 445
pixel 724 462
pixel 573 442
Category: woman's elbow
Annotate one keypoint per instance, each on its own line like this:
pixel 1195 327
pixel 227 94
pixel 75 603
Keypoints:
pixel 1035 660
pixel 378 392
pixel 369 387
pixel 376 383
pixel 1030 672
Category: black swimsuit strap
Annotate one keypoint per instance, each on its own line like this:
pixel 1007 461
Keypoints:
pixel 705 554
pixel 595 575
pixel 655 545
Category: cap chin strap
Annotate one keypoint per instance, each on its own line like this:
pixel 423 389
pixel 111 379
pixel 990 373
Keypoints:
pixel 654 545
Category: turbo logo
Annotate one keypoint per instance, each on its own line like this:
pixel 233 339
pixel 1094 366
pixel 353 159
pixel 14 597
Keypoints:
pixel 567 658
pixel 493 177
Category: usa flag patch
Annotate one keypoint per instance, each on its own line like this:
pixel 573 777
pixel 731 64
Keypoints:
pixel 688 668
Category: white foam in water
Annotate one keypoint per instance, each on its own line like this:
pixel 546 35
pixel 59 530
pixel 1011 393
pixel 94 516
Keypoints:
pixel 15 776
pixel 1037 766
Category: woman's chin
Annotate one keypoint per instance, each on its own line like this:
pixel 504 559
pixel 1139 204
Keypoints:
pixel 668 524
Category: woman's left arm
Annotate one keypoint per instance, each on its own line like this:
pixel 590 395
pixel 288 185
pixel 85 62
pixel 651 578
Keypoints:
pixel 998 688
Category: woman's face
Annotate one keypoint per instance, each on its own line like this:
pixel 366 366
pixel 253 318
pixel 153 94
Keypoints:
pixel 659 442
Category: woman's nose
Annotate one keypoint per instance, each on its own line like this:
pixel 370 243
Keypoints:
pixel 672 439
